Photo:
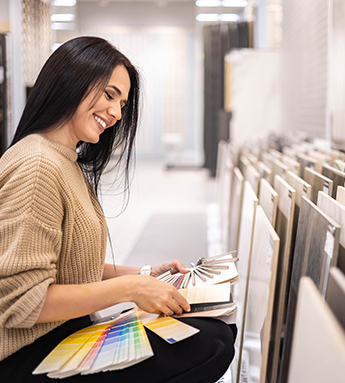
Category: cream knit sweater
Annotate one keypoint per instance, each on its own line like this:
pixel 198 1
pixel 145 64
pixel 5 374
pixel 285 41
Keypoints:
pixel 52 230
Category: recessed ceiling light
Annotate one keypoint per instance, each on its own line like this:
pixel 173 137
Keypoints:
pixel 208 3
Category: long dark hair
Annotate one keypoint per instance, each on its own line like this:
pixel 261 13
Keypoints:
pixel 69 75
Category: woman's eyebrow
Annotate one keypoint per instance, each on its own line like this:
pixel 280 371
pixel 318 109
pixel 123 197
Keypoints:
pixel 117 90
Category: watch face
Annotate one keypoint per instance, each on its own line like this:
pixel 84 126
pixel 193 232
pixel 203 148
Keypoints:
pixel 145 270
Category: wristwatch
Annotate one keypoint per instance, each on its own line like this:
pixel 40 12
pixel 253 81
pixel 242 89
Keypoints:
pixel 145 270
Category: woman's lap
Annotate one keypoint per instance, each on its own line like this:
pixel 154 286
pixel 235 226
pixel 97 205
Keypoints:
pixel 203 357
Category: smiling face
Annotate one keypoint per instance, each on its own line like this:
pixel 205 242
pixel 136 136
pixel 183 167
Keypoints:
pixel 93 117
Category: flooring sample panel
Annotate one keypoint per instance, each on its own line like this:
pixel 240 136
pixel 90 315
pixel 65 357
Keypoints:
pixel 337 176
pixel 268 200
pixel 340 165
pixel 292 164
pixel 341 194
pixel 289 152
pixel 236 195
pixel 254 343
pixel 267 159
pixel 321 358
pixel 303 189
pixel 318 182
pixel 336 211
pixel 278 169
pixel 335 294
pixel 243 165
pixel 249 206
pixel 321 159
pixel 252 158
pixel 334 154
pixel 316 250
pixel 265 172
pixel 305 161
pixel 275 153
pixel 253 177
pixel 283 227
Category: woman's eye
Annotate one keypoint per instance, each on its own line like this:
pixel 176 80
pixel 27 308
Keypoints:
pixel 108 95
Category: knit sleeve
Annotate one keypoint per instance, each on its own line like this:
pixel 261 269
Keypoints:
pixel 31 214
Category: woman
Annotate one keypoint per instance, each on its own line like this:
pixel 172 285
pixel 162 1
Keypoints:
pixel 82 109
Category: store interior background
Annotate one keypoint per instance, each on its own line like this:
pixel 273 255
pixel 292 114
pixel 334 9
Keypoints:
pixel 286 80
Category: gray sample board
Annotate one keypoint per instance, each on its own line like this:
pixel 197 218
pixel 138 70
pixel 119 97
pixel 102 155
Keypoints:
pixel 283 227
pixel 337 176
pixel 318 182
pixel 336 211
pixel 261 289
pixel 316 250
pixel 268 200
pixel 245 242
pixel 318 346
pixel 335 294
pixel 236 194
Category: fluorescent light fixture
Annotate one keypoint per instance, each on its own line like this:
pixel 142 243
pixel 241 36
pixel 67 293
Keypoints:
pixel 62 17
pixel 207 17
pixel 229 17
pixel 216 17
pixel 64 3
pixel 207 3
pixel 62 26
pixel 234 3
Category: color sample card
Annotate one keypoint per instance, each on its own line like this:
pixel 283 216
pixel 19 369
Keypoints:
pixel 168 328
pixel 207 294
pixel 102 347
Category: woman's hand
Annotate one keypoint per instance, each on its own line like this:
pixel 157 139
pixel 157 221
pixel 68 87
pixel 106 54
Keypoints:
pixel 154 296
pixel 175 265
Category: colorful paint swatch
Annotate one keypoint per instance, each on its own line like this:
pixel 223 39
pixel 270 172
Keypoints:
pixel 102 347
pixel 168 328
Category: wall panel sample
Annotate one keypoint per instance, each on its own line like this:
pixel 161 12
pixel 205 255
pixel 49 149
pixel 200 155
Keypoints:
pixel 340 165
pixel 283 227
pixel 321 159
pixel 316 250
pixel 236 195
pixel 336 211
pixel 335 294
pixel 278 168
pixel 249 206
pixel 267 159
pixel 320 358
pixel 261 289
pixel 337 176
pixel 318 182
pixel 268 200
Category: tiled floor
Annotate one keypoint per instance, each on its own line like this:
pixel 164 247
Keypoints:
pixel 153 190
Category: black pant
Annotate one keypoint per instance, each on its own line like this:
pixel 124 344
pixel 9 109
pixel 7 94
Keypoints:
pixel 202 358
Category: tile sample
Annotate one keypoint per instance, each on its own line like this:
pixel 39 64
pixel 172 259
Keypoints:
pixel 320 358
pixel 254 341
pixel 316 250
pixel 337 176
pixel 336 211
pixel 268 200
pixel 249 206
pixel 320 158
pixel 318 182
pixel 267 159
pixel 340 165
pixel 335 294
